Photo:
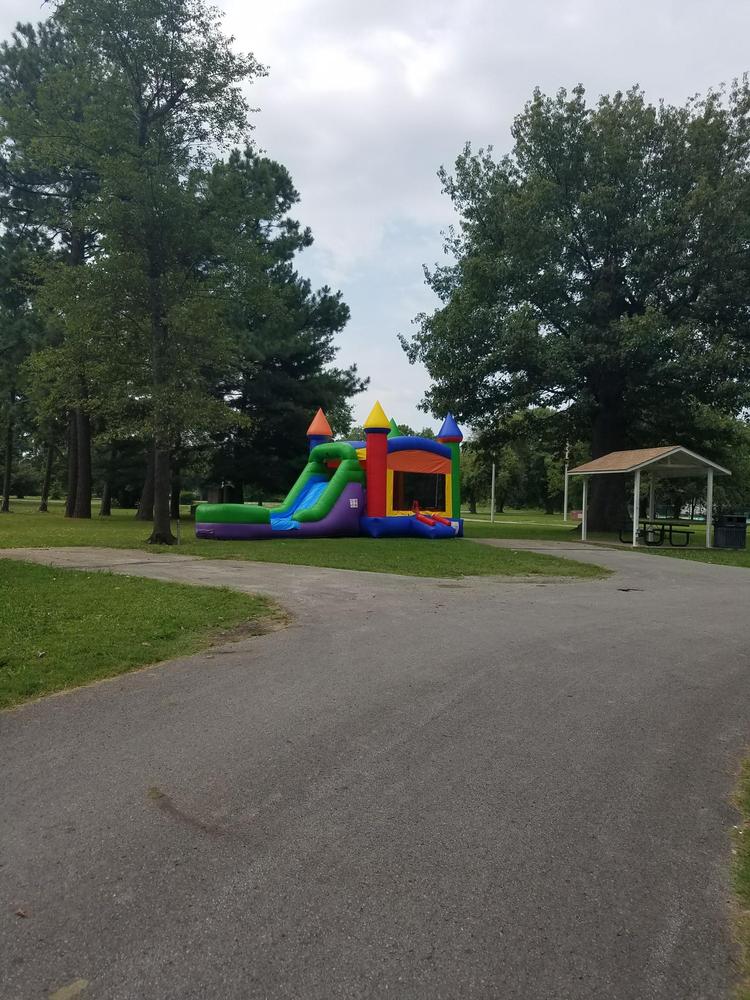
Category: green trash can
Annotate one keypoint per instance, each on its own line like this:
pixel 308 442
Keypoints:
pixel 730 532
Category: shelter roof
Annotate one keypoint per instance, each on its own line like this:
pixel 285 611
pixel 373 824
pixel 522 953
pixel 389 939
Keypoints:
pixel 669 461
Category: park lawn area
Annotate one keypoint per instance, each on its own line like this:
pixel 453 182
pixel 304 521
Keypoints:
pixel 537 525
pixel 696 551
pixel 61 628
pixel 404 556
pixel 720 557
pixel 532 514
pixel 741 873
pixel 516 524
pixel 521 524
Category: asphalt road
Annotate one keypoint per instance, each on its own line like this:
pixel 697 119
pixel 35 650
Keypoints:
pixel 420 789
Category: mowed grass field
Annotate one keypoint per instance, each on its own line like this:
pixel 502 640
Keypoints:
pixel 63 628
pixel 522 524
pixel 26 527
pixel 741 873
pixel 536 524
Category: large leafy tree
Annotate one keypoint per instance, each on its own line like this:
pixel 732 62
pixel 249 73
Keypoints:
pixel 476 477
pixel 47 178
pixel 601 269
pixel 170 96
pixel 179 322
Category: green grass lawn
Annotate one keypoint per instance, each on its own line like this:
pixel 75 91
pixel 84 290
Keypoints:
pixel 535 524
pixel 696 551
pixel 521 524
pixel 721 557
pixel 27 527
pixel 63 628
pixel 741 872
pixel 405 556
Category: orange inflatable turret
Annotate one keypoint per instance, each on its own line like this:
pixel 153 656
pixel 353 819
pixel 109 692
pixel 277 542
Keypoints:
pixel 319 431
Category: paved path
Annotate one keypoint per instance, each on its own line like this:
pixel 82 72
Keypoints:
pixel 420 789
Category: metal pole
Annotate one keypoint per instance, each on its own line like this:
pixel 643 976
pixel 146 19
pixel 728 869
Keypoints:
pixel 652 497
pixel 636 505
pixel 565 492
pixel 585 511
pixel 492 496
pixel 709 505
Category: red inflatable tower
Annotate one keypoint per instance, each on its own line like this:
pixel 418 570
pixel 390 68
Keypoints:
pixel 377 429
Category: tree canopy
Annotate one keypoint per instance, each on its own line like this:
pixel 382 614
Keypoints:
pixel 175 324
pixel 600 269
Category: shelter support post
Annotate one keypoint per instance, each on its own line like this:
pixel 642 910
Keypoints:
pixel 709 505
pixel 585 510
pixel 636 504
pixel 652 497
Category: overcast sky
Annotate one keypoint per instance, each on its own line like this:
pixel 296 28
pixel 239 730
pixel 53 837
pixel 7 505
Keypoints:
pixel 363 102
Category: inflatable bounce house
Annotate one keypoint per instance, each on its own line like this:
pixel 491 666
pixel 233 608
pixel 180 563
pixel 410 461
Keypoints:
pixel 389 485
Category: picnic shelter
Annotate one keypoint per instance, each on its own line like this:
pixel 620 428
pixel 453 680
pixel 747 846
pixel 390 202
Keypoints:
pixel 666 462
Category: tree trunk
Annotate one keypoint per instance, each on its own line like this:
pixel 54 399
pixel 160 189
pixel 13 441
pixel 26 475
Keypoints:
pixel 47 478
pixel 157 267
pixel 162 533
pixel 608 502
pixel 105 507
pixel 5 506
pixel 82 507
pixel 472 503
pixel 174 503
pixel 78 501
pixel 233 493
pixel 70 500
pixel 145 510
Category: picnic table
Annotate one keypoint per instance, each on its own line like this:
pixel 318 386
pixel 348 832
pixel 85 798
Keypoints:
pixel 653 531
